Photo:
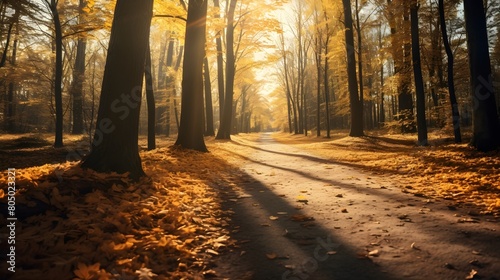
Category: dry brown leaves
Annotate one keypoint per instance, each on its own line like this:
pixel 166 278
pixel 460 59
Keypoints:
pixel 103 226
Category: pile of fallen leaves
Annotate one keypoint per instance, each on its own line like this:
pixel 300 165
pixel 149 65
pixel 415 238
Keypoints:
pixel 79 224
pixel 444 170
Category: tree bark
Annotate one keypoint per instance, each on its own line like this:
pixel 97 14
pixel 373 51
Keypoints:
pixel 150 101
pixel 209 112
pixel 78 78
pixel 486 128
pixel 417 74
pixel 355 103
pixel 58 74
pixel 220 68
pixel 225 127
pixel 451 84
pixel 191 127
pixel 114 147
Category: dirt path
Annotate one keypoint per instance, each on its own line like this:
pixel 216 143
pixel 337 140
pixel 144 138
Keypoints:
pixel 298 216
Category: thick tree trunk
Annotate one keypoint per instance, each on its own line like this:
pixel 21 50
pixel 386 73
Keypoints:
pixel 405 98
pixel 417 73
pixel 150 101
pixel 227 116
pixel 451 84
pixel 486 128
pixel 209 112
pixel 191 127
pixel 114 147
pixel 355 103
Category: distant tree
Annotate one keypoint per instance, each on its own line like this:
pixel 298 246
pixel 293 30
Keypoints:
pixel 225 123
pixel 114 147
pixel 486 128
pixel 52 6
pixel 355 99
pixel 417 74
pixel 451 83
pixel 78 77
pixel 220 65
pixel 209 113
pixel 150 100
pixel 191 127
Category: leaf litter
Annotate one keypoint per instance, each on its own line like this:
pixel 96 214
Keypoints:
pixel 80 224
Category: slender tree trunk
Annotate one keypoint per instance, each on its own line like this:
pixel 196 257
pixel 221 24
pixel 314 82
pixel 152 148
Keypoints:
pixel 451 84
pixel 381 108
pixel 486 128
pixel 220 67
pixel 225 127
pixel 327 93
pixel 170 84
pixel 150 100
pixel 417 73
pixel 360 60
pixel 319 51
pixel 209 112
pixel 114 147
pixel 78 78
pixel 355 103
pixel 191 128
pixel 58 75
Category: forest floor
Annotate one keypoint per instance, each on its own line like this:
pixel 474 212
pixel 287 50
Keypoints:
pixel 262 206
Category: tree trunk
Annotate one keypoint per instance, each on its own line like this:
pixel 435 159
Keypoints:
pixel 58 75
pixel 11 105
pixel 191 127
pixel 486 128
pixel 451 84
pixel 405 98
pixel 381 114
pixel 220 67
pixel 360 60
pixel 317 55
pixel 209 112
pixel 355 103
pixel 150 101
pixel 114 147
pixel 78 78
pixel 225 127
pixel 417 74
pixel 327 93
pixel 170 85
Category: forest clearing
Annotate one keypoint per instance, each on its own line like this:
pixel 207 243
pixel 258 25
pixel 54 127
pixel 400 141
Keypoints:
pixel 185 219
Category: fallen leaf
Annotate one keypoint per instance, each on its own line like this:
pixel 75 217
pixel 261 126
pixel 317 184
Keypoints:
pixel 374 253
pixel 271 256
pixel 273 218
pixel 213 252
pixel 472 274
pixel 301 218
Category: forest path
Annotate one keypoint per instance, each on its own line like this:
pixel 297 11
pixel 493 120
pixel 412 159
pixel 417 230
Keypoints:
pixel 364 226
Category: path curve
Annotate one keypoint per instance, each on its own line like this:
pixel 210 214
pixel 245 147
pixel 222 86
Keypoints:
pixel 298 216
